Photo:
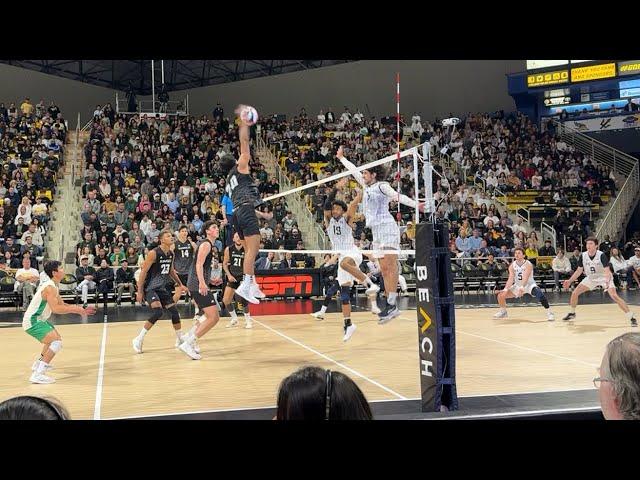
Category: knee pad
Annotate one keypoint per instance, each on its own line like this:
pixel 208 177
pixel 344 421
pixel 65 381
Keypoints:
pixel 56 346
pixel 175 315
pixel 345 294
pixel 541 297
pixel 155 315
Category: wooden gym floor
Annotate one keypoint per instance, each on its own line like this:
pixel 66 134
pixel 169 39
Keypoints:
pixel 100 377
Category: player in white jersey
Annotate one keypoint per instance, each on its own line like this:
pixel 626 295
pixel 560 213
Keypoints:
pixel 521 281
pixel 595 265
pixel 36 323
pixel 340 221
pixel 385 230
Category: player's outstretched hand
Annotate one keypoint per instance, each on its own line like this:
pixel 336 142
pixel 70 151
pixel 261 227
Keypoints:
pixel 340 152
pixel 139 297
pixel 90 310
pixel 566 284
pixel 421 207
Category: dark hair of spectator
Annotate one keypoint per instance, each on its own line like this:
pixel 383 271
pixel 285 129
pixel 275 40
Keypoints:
pixel 32 408
pixel 51 266
pixel 183 227
pixel 305 395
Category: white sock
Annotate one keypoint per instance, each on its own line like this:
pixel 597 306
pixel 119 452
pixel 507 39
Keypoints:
pixel 178 333
pixel 142 333
pixel 191 338
pixel 247 317
pixel 572 309
pixel 234 315
pixel 367 282
pixel 323 309
pixel 629 314
pixel 192 330
pixel 392 298
pixel 246 280
pixel 41 367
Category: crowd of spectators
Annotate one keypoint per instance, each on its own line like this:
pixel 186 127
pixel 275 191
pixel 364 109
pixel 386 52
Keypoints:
pixel 504 153
pixel 145 174
pixel 32 139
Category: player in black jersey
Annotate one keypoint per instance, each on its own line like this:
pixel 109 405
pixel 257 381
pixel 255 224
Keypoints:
pixel 183 249
pixel 153 287
pixel 197 283
pixel 246 199
pixel 232 264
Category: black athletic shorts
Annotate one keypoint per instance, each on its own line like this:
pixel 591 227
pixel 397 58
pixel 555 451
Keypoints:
pixel 159 294
pixel 234 285
pixel 245 221
pixel 204 301
pixel 183 278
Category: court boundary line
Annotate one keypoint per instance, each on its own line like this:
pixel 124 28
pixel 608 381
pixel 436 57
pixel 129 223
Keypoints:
pixel 528 349
pixel 99 383
pixel 326 357
pixel 517 413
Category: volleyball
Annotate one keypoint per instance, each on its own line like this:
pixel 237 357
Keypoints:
pixel 249 115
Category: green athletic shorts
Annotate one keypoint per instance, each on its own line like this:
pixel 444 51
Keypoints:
pixel 40 330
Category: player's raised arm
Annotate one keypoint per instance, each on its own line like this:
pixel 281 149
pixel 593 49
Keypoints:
pixel 350 166
pixel 353 207
pixel 401 198
pixel 245 150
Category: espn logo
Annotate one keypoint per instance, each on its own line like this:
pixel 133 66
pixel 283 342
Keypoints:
pixel 283 285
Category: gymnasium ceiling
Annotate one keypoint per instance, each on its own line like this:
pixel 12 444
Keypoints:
pixel 179 74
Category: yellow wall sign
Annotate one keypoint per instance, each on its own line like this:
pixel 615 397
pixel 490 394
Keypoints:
pixel 593 72
pixel 629 68
pixel 547 78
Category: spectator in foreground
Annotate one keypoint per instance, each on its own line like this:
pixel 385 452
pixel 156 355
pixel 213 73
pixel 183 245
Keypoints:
pixel 619 381
pixel 33 408
pixel 312 393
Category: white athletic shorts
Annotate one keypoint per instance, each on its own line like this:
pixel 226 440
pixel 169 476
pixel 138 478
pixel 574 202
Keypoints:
pixel 344 277
pixel 527 288
pixel 592 283
pixel 385 236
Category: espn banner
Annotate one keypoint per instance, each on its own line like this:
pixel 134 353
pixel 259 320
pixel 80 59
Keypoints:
pixel 301 282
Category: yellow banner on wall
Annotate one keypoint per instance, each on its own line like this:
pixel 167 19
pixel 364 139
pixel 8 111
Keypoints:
pixel 593 72
pixel 547 78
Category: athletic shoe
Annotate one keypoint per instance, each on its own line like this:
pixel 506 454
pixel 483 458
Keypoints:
pixel 551 317
pixel 501 314
pixel 40 378
pixel 375 309
pixel 372 290
pixel 196 347
pixel 245 291
pixel 137 344
pixel 232 323
pixel 248 322
pixel 634 322
pixel 189 350
pixel 569 317
pixel 388 313
pixel 256 292
pixel 35 366
pixel 348 331
pixel 182 338
pixel 319 315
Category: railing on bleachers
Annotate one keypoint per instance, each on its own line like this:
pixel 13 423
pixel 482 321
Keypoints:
pixel 615 221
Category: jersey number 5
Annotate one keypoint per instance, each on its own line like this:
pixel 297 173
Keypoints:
pixel 519 276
